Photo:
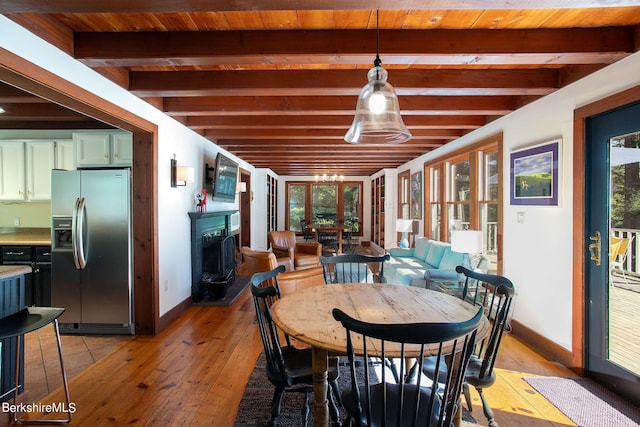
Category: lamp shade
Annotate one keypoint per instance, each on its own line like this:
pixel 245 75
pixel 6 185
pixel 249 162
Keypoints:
pixel 377 119
pixel 184 173
pixel 241 187
pixel 404 225
pixel 466 241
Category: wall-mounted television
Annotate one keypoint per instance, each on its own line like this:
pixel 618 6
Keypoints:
pixel 225 180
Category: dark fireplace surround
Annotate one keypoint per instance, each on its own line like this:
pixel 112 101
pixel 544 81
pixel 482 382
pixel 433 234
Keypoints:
pixel 213 254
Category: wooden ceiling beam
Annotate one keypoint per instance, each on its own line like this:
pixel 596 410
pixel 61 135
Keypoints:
pixel 326 122
pixel 442 47
pixel 342 82
pixel 44 111
pixel 325 143
pixel 345 105
pixel 166 6
pixel 309 134
pixel 12 95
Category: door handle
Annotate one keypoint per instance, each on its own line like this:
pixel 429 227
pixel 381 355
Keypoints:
pixel 74 234
pixel 595 248
pixel 82 250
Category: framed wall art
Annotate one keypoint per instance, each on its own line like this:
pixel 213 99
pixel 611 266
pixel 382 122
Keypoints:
pixel 534 175
pixel 416 195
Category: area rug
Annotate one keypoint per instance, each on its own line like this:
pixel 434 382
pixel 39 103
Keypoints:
pixel 239 284
pixel 587 403
pixel 255 406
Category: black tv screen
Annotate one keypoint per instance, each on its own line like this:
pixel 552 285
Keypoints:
pixel 225 180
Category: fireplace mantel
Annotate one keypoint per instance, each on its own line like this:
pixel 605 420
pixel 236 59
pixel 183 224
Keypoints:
pixel 202 215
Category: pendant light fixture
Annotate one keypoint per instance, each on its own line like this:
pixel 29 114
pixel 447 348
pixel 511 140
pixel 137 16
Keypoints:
pixel 377 119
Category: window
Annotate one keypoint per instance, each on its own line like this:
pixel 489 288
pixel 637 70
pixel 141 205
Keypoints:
pixel 464 190
pixel 433 214
pixel 324 202
pixel 459 195
pixel 297 206
pixel 489 203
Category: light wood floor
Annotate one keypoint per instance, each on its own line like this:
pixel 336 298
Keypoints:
pixel 194 373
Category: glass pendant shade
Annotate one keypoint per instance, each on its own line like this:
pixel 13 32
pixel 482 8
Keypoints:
pixel 377 119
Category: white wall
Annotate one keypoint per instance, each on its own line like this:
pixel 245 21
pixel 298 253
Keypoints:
pixel 190 149
pixel 538 252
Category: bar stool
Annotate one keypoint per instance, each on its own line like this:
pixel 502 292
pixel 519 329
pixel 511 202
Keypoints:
pixel 28 320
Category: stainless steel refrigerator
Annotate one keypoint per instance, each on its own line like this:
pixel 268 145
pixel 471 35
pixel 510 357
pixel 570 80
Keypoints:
pixel 91 253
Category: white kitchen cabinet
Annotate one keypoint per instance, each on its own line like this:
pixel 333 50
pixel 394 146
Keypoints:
pixel 12 173
pixel 92 149
pixel 122 148
pixel 65 155
pixel 40 160
pixel 97 149
pixel 26 170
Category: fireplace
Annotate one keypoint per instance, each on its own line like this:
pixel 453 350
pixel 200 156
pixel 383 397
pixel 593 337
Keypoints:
pixel 218 263
pixel 213 250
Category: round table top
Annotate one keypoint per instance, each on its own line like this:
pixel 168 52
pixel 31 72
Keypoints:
pixel 306 314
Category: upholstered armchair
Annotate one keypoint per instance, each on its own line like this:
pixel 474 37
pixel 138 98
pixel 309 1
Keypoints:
pixel 304 255
pixel 261 261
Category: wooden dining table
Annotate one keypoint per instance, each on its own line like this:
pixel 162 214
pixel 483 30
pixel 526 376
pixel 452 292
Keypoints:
pixel 306 315
pixel 336 227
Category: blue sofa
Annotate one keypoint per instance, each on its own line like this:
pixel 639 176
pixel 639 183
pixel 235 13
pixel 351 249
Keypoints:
pixel 430 260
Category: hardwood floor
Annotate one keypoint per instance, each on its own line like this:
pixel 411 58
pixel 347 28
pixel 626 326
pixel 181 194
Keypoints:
pixel 194 373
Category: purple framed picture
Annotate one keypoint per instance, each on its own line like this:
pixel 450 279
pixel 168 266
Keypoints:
pixel 534 175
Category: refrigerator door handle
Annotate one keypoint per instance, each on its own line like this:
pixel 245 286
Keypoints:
pixel 82 253
pixel 74 234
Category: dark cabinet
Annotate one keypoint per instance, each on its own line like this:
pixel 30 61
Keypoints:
pixel 42 276
pixel 38 284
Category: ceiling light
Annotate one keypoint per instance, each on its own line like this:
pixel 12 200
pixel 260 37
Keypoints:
pixel 377 118
pixel 2 110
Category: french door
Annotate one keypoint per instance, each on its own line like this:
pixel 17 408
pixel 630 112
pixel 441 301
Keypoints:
pixel 612 291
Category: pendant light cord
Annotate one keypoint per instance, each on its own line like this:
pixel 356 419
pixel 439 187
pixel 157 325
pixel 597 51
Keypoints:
pixel 377 62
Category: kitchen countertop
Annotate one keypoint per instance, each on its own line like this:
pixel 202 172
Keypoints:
pixel 25 236
pixel 7 271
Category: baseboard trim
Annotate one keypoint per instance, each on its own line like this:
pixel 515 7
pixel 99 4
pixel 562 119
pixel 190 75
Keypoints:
pixel 174 313
pixel 544 346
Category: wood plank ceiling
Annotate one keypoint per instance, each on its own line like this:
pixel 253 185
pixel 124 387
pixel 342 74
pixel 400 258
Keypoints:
pixel 277 87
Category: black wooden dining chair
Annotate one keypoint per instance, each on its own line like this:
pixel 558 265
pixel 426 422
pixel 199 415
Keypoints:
pixel 494 294
pixel 381 403
pixel 306 235
pixel 288 368
pixel 354 268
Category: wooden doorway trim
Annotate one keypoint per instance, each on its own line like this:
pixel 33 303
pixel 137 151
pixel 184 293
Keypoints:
pixel 25 75
pixel 245 210
pixel 579 245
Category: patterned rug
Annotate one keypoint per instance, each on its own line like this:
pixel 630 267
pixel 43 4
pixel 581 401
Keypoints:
pixel 255 406
pixel 587 403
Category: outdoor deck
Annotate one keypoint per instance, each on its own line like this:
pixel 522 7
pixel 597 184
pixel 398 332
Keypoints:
pixel 624 312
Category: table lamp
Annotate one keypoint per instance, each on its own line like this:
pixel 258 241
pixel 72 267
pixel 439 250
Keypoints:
pixel 467 242
pixel 404 226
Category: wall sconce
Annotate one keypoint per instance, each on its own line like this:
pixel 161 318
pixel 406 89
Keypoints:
pixel 180 175
pixel 241 187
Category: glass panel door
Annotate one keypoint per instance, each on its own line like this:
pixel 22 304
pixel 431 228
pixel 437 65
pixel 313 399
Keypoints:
pixel 624 280
pixel 612 292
